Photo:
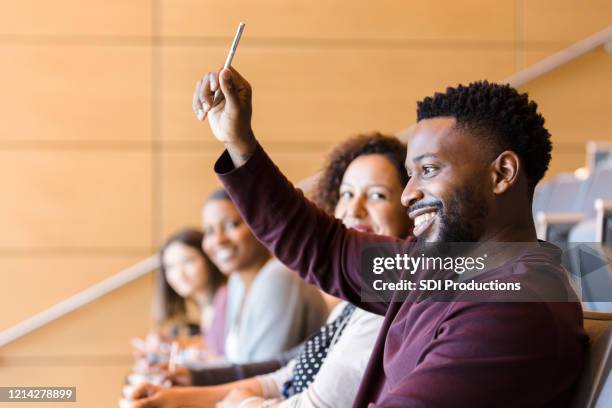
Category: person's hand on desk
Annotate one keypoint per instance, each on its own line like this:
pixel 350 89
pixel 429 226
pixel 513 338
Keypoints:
pixel 155 396
pixel 230 116
pixel 181 375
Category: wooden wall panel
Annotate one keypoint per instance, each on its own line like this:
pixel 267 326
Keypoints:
pixel 75 93
pixel 33 283
pixel 188 178
pixel 564 160
pixel 75 199
pixel 563 21
pixel 322 95
pixel 103 328
pixel 413 19
pixel 75 17
pixel 573 98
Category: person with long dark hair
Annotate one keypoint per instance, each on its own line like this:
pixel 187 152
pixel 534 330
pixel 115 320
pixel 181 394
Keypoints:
pixel 187 274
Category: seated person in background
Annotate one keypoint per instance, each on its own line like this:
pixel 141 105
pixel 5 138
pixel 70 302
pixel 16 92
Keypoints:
pixel 477 153
pixel 361 184
pixel 186 274
pixel 269 309
pixel 264 310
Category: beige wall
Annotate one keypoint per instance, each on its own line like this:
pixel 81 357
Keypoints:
pixel 575 100
pixel 100 156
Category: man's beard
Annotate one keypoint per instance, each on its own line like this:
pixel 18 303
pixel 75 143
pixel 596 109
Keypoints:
pixel 463 216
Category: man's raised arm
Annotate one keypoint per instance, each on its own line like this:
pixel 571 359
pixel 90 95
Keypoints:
pixel 299 234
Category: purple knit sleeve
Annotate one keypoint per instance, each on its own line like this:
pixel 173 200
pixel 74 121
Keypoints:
pixel 299 234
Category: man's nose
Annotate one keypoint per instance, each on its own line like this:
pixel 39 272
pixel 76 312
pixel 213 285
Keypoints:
pixel 411 194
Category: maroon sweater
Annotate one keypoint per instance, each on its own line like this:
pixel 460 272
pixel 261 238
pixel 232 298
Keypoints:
pixel 428 354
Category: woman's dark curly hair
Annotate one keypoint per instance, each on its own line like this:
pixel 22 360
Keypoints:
pixel 327 191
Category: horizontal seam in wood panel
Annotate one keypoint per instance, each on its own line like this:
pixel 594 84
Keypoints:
pixel 78 40
pixel 186 146
pixel 78 145
pixel 276 146
pixel 569 147
pixel 278 42
pixel 65 360
pixel 37 252
pixel 146 146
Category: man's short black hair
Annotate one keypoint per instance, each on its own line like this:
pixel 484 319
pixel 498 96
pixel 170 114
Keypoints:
pixel 507 119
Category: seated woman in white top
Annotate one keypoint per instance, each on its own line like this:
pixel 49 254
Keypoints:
pixel 361 184
pixel 269 308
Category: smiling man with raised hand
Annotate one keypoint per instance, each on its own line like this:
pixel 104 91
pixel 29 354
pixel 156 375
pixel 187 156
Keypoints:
pixel 476 155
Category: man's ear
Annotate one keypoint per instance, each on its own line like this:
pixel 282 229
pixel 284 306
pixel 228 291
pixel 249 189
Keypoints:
pixel 504 171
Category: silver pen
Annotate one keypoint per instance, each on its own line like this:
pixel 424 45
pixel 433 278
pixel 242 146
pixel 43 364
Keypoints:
pixel 230 56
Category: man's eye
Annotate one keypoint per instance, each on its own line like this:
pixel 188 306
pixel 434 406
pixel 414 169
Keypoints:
pixel 429 170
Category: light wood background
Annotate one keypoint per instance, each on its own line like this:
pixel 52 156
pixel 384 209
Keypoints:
pixel 100 156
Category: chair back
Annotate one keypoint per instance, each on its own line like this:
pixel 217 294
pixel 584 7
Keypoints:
pixel 595 387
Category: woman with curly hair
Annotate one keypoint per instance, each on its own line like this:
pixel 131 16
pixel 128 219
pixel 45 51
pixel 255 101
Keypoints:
pixel 375 167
